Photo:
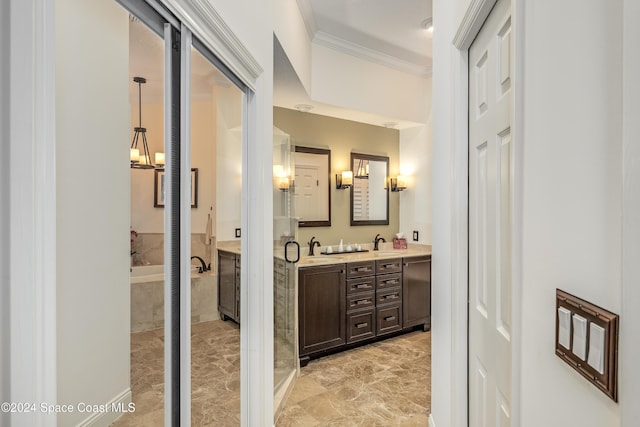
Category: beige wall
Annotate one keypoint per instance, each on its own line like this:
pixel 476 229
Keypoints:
pixel 343 137
pixel 92 184
pixel 144 217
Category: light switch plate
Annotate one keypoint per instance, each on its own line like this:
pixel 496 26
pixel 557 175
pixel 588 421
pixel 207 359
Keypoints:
pixel 593 341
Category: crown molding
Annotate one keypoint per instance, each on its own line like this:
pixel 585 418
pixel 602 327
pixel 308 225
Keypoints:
pixel 306 10
pixel 211 29
pixel 366 54
pixel 471 23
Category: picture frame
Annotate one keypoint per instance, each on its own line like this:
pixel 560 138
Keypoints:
pixel 158 188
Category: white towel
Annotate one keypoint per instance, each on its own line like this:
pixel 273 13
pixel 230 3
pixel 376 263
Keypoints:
pixel 207 235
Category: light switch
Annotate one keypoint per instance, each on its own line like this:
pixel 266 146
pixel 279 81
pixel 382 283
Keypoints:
pixel 564 327
pixel 580 336
pixel 596 347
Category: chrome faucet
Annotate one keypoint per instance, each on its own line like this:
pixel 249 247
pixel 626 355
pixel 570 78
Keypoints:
pixel 377 240
pixel 204 267
pixel 312 244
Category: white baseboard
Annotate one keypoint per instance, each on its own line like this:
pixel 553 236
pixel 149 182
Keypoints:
pixel 109 415
pixel 431 422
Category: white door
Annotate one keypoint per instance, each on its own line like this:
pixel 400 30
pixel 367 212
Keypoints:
pixel 308 193
pixel 490 207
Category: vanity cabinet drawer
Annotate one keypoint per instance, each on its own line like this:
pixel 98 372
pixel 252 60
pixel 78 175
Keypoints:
pixel 360 269
pixel 366 300
pixel 385 266
pixel 361 325
pixel 389 296
pixel 366 284
pixel 389 319
pixel 388 281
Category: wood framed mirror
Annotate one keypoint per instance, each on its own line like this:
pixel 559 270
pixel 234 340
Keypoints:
pixel 369 192
pixel 312 184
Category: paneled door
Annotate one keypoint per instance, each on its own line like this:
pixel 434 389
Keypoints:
pixel 490 220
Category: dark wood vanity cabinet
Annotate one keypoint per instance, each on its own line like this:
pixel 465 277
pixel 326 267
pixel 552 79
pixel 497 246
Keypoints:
pixel 344 304
pixel 322 300
pixel 229 285
pixel 388 296
pixel 361 301
pixel 416 292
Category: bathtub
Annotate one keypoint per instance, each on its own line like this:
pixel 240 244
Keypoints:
pixel 154 273
pixel 147 297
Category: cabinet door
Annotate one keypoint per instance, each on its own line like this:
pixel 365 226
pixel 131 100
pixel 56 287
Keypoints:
pixel 416 292
pixel 227 284
pixel 321 307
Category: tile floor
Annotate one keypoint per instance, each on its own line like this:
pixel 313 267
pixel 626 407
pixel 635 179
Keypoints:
pixel 382 384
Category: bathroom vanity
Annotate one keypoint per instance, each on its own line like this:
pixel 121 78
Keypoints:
pixel 359 298
pixel 229 284
pixel 344 299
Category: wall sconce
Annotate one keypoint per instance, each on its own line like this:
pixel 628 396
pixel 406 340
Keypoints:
pixel 283 183
pixel 398 184
pixel 281 179
pixel 344 180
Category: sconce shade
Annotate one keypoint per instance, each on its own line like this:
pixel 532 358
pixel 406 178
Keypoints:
pixel 344 180
pixel 283 183
pixel 140 133
pixel 398 184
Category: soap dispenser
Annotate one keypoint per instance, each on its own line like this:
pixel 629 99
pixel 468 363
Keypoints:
pixel 340 247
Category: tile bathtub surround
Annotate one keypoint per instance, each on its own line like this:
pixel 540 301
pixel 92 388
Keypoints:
pixel 382 384
pixel 147 302
pixel 149 249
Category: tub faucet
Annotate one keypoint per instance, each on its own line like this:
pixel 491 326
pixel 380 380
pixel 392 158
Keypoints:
pixel 312 244
pixel 203 266
pixel 377 240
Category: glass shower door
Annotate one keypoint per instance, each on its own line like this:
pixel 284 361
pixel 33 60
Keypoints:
pixel 286 253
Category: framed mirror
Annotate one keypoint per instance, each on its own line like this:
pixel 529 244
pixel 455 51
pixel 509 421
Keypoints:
pixel 312 183
pixel 369 192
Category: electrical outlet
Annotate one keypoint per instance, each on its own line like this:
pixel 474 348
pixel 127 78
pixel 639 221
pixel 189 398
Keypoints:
pixel 237 232
pixel 415 235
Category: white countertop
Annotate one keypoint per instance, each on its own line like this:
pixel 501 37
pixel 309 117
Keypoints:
pixel 386 252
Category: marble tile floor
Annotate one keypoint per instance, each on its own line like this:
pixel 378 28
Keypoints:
pixel 215 376
pixel 382 384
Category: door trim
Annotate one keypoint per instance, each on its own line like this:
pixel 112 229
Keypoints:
pixel 31 258
pixel 468 29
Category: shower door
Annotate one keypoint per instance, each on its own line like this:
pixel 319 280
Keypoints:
pixel 286 253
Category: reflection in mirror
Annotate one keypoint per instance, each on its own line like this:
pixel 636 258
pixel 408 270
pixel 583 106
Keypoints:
pixel 369 193
pixel 312 183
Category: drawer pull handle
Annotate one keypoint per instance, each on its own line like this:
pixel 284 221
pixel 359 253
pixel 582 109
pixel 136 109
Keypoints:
pixel 394 296
pixel 390 318
pixel 362 286
pixel 362 325
pixel 387 265
pixel 390 282
pixel 362 269
pixel 362 301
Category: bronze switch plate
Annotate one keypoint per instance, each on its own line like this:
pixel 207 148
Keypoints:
pixel 607 381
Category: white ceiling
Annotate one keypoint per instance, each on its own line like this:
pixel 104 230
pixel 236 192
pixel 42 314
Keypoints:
pixel 388 32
